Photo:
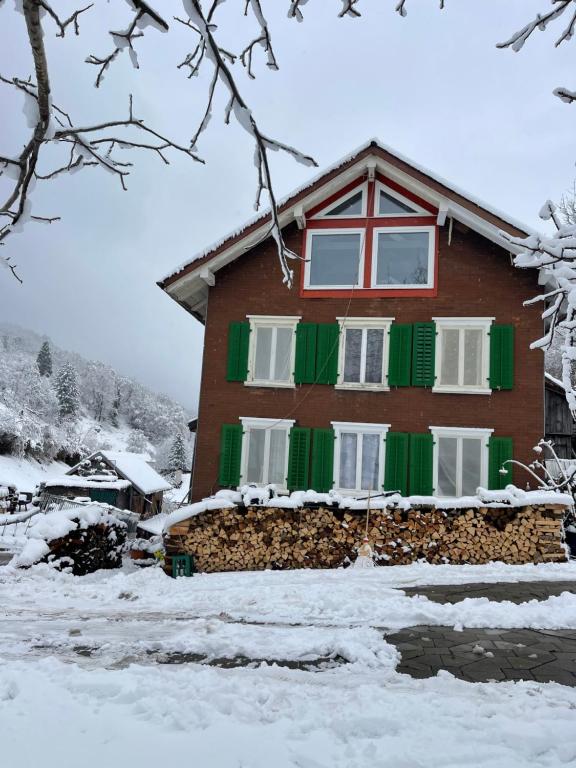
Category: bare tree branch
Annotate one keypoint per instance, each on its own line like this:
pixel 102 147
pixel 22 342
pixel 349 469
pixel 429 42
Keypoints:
pixel 72 19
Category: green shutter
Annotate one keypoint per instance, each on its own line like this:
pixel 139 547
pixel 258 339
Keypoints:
pixel 396 468
pixel 298 459
pixel 499 451
pixel 323 460
pixel 400 357
pixel 502 357
pixel 305 369
pixel 238 338
pixel 423 351
pixel 420 472
pixel 327 353
pixel 230 452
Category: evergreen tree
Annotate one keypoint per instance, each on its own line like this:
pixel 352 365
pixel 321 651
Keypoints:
pixel 178 460
pixel 67 392
pixel 115 408
pixel 137 442
pixel 44 360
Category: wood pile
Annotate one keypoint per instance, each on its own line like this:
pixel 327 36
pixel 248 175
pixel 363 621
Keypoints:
pixel 254 538
pixel 86 550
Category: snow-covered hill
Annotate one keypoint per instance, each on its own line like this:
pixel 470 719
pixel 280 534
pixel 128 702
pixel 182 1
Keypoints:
pixel 107 410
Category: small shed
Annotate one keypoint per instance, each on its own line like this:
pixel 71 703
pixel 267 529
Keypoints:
pixel 560 426
pixel 124 480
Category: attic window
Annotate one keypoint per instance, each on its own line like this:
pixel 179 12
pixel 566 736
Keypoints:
pixel 391 203
pixel 350 205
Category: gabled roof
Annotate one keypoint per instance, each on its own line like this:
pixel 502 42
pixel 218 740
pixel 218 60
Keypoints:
pixel 132 467
pixel 189 283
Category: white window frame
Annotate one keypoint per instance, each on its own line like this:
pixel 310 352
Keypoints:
pixel 460 432
pixel 363 323
pixel 323 213
pixel 365 428
pixel 310 233
pixel 251 422
pixel 463 323
pixel 380 187
pixel 270 321
pixel 431 230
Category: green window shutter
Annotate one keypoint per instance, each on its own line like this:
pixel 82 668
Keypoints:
pixel 420 472
pixel 327 353
pixel 499 451
pixel 423 353
pixel 305 369
pixel 400 357
pixel 502 357
pixel 396 466
pixel 323 460
pixel 230 452
pixel 299 459
pixel 238 339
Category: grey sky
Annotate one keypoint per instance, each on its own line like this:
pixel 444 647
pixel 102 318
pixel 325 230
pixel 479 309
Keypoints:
pixel 432 85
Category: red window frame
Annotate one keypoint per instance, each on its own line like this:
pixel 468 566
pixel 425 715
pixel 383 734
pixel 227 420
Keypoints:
pixel 370 222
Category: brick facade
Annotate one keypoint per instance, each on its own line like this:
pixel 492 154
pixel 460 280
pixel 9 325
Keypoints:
pixel 475 279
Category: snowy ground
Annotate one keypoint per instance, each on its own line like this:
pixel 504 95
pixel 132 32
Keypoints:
pixel 25 474
pixel 82 672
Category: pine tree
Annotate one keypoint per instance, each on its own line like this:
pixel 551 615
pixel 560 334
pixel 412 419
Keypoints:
pixel 67 392
pixel 44 360
pixel 178 460
pixel 115 408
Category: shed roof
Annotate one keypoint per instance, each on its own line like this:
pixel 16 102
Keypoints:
pixel 134 468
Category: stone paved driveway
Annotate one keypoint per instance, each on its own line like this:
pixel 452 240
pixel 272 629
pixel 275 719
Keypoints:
pixel 480 655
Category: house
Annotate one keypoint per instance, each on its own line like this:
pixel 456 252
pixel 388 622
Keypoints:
pixel 398 361
pixel 124 480
pixel 560 427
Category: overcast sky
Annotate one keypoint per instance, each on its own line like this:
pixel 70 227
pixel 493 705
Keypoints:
pixel 431 85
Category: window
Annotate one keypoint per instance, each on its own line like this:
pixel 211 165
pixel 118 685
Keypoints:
pixel 364 353
pixel 403 257
pixel 352 204
pixel 462 355
pixel 460 460
pixel 391 203
pixel 265 451
pixel 271 351
pixel 359 456
pixel 335 258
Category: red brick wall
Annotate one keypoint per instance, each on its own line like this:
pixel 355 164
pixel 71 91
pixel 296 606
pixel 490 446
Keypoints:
pixel 476 279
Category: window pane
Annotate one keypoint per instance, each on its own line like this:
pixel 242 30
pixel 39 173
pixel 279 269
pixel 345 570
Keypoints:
pixel 348 453
pixel 389 204
pixel 447 451
pixel 449 369
pixel 471 465
pixel 473 357
pixel 256 439
pixel 335 259
pixel 277 464
pixel 352 350
pixel 263 353
pixel 402 258
pixel 370 462
pixel 350 207
pixel 283 350
pixel 374 352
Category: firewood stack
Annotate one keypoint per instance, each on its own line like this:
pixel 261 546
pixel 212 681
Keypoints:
pixel 86 550
pixel 256 538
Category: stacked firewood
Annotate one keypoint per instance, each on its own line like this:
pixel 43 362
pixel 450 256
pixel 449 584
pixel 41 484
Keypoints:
pixel 86 550
pixel 255 538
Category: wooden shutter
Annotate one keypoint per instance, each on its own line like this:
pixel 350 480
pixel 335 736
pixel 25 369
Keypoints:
pixel 420 472
pixel 299 459
pixel 305 368
pixel 502 357
pixel 238 339
pixel 423 352
pixel 396 465
pixel 499 450
pixel 327 353
pixel 230 452
pixel 400 357
pixel 323 460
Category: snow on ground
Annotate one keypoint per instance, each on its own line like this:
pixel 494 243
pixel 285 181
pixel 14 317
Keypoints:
pixel 79 659
pixel 25 474
pixel 178 495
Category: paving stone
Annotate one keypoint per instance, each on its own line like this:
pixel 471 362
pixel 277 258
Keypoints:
pixel 520 592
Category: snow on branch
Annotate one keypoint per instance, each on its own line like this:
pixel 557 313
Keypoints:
pixel 221 60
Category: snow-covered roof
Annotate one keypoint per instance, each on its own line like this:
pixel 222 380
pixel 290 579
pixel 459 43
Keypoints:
pixel 188 283
pixel 90 481
pixel 134 468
